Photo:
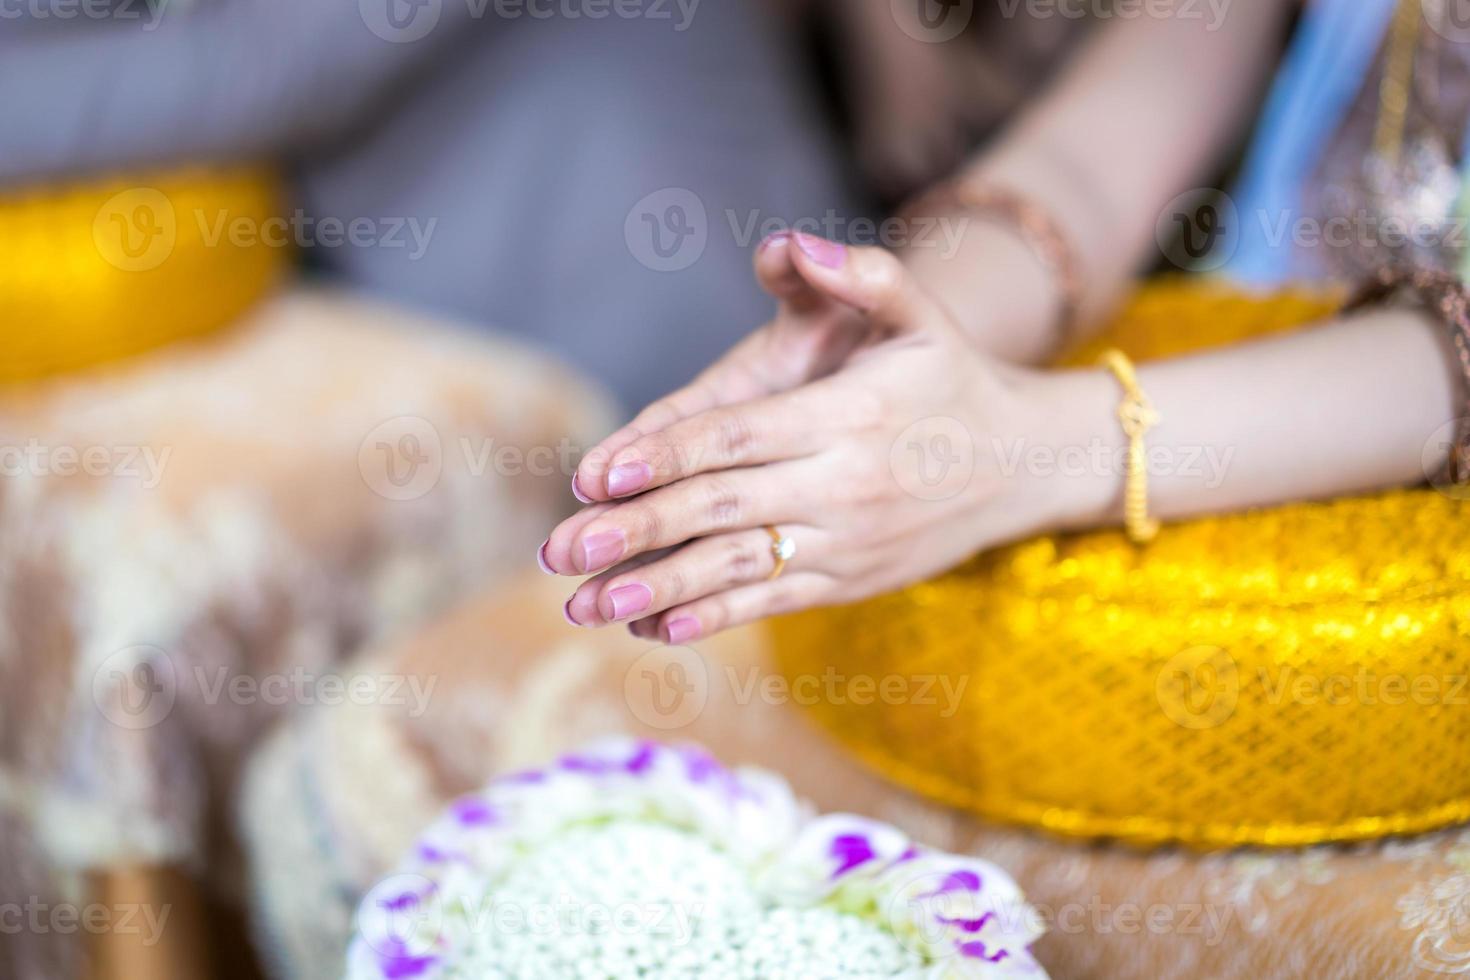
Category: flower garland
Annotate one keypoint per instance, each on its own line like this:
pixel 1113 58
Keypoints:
pixel 637 859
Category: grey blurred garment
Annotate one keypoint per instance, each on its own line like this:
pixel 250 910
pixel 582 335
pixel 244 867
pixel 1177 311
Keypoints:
pixel 594 184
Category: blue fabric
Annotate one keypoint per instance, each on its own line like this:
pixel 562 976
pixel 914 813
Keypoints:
pixel 1314 89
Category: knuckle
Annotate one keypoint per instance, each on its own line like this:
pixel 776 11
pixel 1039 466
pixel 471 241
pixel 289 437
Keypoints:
pixel 742 561
pixel 885 279
pixel 675 585
pixel 733 435
pixel 661 453
pixel 722 503
pixel 647 524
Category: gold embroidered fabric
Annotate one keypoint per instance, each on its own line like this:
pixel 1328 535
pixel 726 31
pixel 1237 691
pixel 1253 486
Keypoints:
pixel 98 271
pixel 1285 677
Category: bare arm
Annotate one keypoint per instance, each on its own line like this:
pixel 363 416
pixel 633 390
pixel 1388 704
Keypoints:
pixel 1352 406
pixel 1146 111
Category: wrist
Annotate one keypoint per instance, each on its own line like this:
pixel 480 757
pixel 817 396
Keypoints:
pixel 991 281
pixel 1072 462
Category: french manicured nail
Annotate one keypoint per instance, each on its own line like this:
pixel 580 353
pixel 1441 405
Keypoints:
pixel 628 478
pixel 774 239
pixel 566 612
pixel 682 630
pixel 822 251
pixel 602 549
pixel 541 558
pixel 577 491
pixel 629 600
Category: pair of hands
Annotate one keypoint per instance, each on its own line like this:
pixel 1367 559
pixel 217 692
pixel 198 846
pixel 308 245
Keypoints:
pixel 861 422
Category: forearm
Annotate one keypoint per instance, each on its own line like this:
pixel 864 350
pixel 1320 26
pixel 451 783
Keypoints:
pixel 241 79
pixel 1350 407
pixel 1175 93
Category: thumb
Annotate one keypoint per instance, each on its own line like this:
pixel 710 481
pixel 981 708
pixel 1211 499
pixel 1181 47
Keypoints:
pixel 871 280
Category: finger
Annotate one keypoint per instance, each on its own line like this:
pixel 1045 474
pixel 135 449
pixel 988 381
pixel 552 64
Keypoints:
pixel 700 568
pixel 714 613
pixel 707 504
pixel 777 273
pixel 728 381
pixel 780 427
pixel 871 280
pixel 581 609
pixel 554 555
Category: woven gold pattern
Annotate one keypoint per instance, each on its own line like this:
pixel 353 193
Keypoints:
pixel 1284 677
pixel 98 271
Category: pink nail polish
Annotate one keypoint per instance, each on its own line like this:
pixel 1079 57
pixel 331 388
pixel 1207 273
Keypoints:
pixel 628 478
pixel 629 600
pixel 566 612
pixel 602 549
pixel 774 240
pixel 822 251
pixel 682 630
pixel 577 491
pixel 541 558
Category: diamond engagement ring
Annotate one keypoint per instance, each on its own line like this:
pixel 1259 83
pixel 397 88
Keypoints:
pixel 783 549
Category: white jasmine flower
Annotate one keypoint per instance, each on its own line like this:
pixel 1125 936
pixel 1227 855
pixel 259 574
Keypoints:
pixel 639 860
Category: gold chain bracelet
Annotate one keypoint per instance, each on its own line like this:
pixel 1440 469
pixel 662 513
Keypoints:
pixel 1137 415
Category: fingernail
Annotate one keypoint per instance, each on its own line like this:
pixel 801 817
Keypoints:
pixel 821 251
pixel 774 239
pixel 601 550
pixel 682 630
pixel 577 491
pixel 628 478
pixel 629 600
pixel 541 558
pixel 566 612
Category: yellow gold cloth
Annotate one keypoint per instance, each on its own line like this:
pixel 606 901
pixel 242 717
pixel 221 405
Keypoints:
pixel 101 270
pixel 1284 677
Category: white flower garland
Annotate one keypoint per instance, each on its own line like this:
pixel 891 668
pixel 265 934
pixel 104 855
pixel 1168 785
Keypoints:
pixel 640 860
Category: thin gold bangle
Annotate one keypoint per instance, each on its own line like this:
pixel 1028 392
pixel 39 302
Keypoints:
pixel 1137 415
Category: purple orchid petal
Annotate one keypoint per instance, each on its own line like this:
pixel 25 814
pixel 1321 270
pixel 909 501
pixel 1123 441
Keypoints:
pixel 956 881
pixel 966 925
pixel 851 850
pixel 398 963
pixel 976 950
pixel 471 811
